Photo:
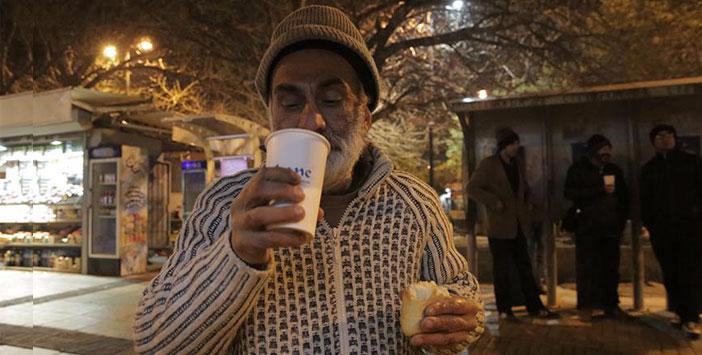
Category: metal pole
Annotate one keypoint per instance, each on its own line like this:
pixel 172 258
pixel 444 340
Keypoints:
pixel 431 154
pixel 87 197
pixel 127 73
pixel 637 256
pixel 468 205
pixel 128 79
pixel 551 229
pixel 552 265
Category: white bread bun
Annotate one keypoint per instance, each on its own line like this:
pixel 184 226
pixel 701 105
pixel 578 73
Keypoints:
pixel 415 298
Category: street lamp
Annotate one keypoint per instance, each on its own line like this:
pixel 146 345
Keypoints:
pixel 110 52
pixel 456 5
pixel 145 45
pixel 482 94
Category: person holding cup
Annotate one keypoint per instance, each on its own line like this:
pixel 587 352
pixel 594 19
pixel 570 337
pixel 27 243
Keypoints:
pixel 597 188
pixel 252 274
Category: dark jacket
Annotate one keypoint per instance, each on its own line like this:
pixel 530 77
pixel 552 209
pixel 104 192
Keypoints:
pixel 600 212
pixel 490 186
pixel 671 189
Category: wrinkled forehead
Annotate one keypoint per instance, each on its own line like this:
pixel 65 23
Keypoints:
pixel 312 68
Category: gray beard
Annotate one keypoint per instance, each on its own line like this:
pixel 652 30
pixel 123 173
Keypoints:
pixel 341 161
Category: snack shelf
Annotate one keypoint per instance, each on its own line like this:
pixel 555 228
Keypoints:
pixel 38 268
pixel 39 245
pixel 68 221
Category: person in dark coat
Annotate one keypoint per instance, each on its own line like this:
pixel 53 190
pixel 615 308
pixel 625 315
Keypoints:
pixel 597 188
pixel 499 183
pixel 671 210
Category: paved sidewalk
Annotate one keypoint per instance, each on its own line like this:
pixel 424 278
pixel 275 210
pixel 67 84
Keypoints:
pixel 68 314
pixel 641 333
pixel 44 340
pixel 13 350
pixel 96 316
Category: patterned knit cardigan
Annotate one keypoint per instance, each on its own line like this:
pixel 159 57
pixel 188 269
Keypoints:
pixel 339 294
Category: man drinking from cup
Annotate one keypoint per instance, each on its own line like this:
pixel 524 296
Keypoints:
pixel 597 188
pixel 245 278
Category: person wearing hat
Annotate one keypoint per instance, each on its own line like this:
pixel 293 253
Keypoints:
pixel 598 190
pixel 499 183
pixel 231 286
pixel 671 210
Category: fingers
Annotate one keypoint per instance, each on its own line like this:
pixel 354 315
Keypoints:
pixel 276 239
pixel 448 324
pixel 279 184
pixel 452 306
pixel 266 191
pixel 439 339
pixel 258 218
pixel 283 175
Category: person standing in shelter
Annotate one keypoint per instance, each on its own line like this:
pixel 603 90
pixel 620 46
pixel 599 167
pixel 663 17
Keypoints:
pixel 671 210
pixel 597 188
pixel 234 286
pixel 499 183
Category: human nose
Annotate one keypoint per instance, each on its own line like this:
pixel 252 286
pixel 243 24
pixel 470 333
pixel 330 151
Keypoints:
pixel 311 119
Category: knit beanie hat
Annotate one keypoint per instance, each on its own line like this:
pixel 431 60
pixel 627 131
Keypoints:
pixel 505 136
pixel 661 128
pixel 596 142
pixel 320 27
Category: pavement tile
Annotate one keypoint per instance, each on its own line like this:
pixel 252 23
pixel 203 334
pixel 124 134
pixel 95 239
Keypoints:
pixel 42 351
pixel 21 281
pixel 110 329
pixel 12 350
pixel 44 317
pixel 65 341
pixel 72 323
pixel 72 308
pixel 17 315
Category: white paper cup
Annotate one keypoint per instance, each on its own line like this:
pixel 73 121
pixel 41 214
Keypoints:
pixel 609 180
pixel 305 152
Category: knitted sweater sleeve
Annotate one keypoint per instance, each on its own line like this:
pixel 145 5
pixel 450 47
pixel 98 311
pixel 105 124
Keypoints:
pixel 445 265
pixel 441 261
pixel 204 292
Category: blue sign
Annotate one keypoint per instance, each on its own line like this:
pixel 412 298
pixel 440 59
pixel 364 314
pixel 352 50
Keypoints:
pixel 193 164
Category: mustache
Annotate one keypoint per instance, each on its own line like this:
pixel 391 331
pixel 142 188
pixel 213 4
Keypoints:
pixel 336 141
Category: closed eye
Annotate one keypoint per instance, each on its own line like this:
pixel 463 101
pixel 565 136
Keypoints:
pixel 329 101
pixel 292 105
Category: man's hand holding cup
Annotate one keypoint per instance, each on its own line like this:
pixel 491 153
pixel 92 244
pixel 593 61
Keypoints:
pixel 252 214
pixel 279 206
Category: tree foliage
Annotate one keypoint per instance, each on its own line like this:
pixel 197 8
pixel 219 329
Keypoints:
pixel 642 40
pixel 428 52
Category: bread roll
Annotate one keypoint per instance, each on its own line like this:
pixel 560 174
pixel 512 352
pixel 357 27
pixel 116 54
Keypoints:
pixel 415 298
